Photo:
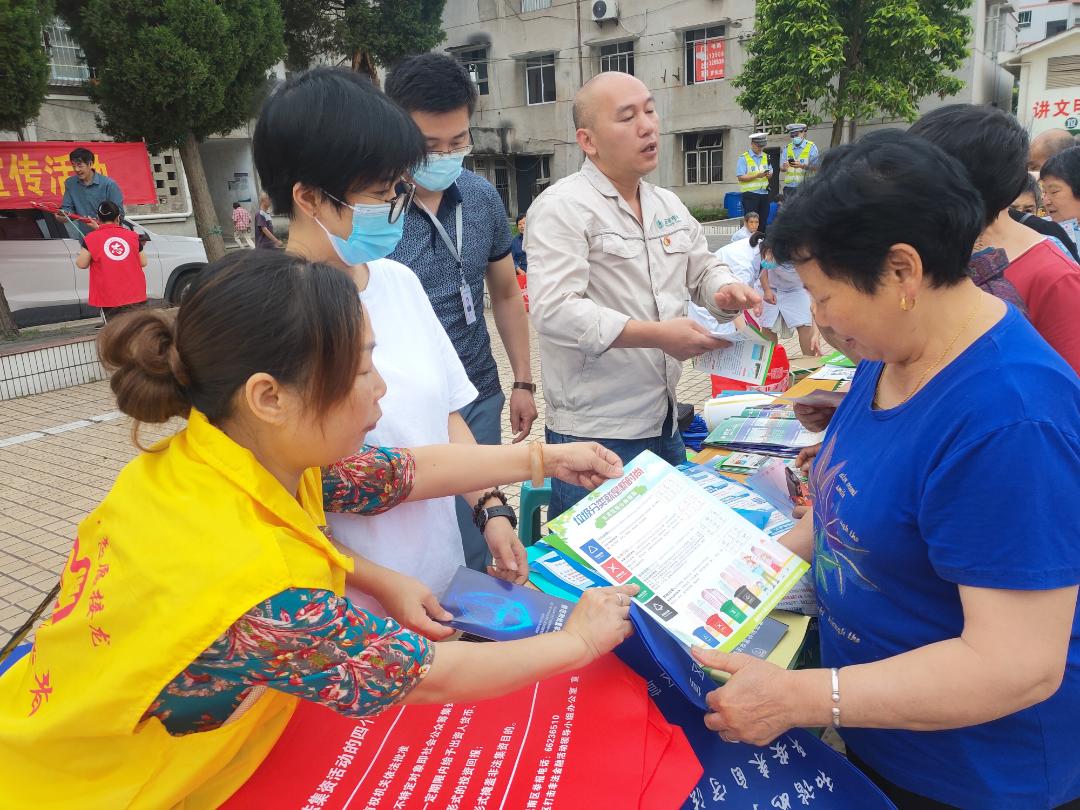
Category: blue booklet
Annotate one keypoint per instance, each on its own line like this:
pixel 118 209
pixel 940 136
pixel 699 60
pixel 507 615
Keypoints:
pixel 501 611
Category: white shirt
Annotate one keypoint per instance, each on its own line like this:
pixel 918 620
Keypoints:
pixel 744 261
pixel 425 383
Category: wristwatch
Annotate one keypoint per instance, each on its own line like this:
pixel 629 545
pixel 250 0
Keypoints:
pixel 524 386
pixel 481 516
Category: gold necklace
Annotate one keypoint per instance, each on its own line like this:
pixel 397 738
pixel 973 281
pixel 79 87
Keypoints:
pixel 936 363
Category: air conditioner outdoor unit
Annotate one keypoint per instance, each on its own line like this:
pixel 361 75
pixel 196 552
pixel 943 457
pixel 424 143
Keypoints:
pixel 605 10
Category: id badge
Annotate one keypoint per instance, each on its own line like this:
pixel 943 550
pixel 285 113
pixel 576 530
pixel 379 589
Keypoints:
pixel 467 304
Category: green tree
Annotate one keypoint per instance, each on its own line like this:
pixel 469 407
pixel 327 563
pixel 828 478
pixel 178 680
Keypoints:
pixel 369 33
pixel 22 55
pixel 172 72
pixel 850 60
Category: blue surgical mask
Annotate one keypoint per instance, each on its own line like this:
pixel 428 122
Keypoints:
pixel 767 265
pixel 439 171
pixel 373 236
pixel 798 141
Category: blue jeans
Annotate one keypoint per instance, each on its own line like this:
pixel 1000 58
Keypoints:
pixel 484 418
pixel 670 448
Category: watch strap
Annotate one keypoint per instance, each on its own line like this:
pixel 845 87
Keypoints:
pixel 503 510
pixel 524 386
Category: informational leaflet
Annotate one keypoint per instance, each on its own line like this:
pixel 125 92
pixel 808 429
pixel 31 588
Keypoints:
pixel 834 373
pixel 768 434
pixel 706 574
pixel 746 359
pixel 498 610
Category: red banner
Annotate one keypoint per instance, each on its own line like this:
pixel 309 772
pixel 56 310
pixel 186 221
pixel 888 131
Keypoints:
pixel 34 172
pixel 587 739
pixel 708 60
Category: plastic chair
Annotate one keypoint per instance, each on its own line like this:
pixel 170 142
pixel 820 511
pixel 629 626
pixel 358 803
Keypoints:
pixel 529 513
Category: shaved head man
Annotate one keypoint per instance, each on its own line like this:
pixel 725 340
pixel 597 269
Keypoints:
pixel 612 262
pixel 1047 144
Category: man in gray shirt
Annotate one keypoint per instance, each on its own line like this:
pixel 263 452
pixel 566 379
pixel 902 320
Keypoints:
pixel 84 192
pixel 612 262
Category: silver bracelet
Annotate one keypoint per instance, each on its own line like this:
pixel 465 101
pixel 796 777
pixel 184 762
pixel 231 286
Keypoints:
pixel 836 697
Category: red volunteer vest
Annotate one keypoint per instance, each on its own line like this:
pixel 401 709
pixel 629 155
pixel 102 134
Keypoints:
pixel 116 277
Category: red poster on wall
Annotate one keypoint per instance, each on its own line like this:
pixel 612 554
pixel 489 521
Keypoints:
pixel 587 739
pixel 708 60
pixel 35 171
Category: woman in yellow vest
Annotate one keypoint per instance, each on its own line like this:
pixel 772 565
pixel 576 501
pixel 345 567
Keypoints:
pixel 202 599
pixel 799 158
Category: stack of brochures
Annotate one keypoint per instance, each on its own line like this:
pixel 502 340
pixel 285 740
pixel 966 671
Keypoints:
pixel 771 430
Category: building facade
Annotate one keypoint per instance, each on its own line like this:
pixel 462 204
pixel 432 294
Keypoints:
pixel 1049 89
pixel 529 57
pixel 1037 20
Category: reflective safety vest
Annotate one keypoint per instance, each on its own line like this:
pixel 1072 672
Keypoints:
pixel 793 176
pixel 755 163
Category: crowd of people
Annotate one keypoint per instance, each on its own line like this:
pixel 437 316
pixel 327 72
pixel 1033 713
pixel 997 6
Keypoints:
pixel 342 451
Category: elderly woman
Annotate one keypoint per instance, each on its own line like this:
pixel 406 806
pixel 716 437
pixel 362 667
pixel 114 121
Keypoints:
pixel 947 500
pixel 1060 177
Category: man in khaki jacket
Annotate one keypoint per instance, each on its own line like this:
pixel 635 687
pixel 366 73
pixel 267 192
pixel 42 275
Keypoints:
pixel 612 262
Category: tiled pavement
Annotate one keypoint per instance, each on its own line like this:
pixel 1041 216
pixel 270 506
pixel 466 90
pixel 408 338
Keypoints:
pixel 48 482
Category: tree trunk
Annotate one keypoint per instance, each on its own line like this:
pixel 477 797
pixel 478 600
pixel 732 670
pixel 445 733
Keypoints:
pixel 853 128
pixel 8 329
pixel 363 63
pixel 837 131
pixel 206 221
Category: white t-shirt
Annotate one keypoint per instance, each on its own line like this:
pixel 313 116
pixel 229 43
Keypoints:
pixel 744 261
pixel 425 383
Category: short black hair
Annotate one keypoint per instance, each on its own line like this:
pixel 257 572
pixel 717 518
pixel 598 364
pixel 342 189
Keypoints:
pixel 331 129
pixel 108 211
pixel 1065 166
pixel 236 205
pixel 989 142
pixel 889 188
pixel 81 155
pixel 431 83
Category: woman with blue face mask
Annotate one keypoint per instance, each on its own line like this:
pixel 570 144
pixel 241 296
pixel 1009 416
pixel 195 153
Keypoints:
pixel 337 156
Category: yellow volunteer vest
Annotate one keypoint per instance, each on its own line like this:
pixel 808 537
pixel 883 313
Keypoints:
pixel 795 177
pixel 755 163
pixel 190 537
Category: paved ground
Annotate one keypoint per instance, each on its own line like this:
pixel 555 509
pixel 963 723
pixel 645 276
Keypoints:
pixel 49 483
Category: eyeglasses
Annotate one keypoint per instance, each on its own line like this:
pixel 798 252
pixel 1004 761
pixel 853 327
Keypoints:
pixel 463 152
pixel 398 204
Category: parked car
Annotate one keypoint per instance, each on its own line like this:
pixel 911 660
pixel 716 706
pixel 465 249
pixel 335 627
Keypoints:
pixel 42 284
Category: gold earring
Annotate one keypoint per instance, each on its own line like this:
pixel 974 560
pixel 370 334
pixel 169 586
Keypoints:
pixel 903 303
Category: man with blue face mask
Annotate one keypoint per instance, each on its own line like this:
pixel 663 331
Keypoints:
pixel 798 159
pixel 456 238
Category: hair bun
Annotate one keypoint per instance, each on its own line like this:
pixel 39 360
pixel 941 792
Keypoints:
pixel 148 376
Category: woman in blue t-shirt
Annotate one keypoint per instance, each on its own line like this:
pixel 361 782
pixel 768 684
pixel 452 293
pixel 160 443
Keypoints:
pixel 944 533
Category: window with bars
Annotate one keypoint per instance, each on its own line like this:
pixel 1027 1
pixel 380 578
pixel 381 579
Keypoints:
pixel 618 56
pixel 476 63
pixel 535 5
pixel 694 38
pixel 67 62
pixel 703 157
pixel 540 79
pixel 1023 20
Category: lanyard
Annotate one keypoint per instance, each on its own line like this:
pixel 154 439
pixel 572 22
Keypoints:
pixel 455 250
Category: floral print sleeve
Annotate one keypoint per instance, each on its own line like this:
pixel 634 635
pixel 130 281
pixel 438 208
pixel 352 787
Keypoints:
pixel 370 482
pixel 309 643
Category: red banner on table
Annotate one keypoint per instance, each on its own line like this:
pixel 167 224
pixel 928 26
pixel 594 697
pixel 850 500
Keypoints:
pixel 708 60
pixel 592 738
pixel 34 171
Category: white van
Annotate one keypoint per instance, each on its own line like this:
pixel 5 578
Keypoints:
pixel 42 284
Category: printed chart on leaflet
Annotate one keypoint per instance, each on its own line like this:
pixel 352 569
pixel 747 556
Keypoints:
pixel 706 574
